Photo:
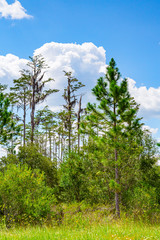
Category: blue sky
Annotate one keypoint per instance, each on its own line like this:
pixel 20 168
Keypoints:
pixel 128 30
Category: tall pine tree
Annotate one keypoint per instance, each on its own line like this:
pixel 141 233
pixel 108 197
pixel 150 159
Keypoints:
pixel 22 94
pixel 118 110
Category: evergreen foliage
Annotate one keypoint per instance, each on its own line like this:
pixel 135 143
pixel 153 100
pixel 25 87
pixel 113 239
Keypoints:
pixel 118 112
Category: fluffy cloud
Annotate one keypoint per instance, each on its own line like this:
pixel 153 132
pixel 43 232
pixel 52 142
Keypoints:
pixel 10 66
pixel 151 130
pixel 86 62
pixel 149 99
pixel 13 11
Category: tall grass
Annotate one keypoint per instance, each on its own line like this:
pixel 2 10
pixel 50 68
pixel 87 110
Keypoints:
pixel 95 232
pixel 86 223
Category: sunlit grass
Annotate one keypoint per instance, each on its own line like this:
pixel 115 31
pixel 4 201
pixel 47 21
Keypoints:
pixel 86 223
pixel 117 230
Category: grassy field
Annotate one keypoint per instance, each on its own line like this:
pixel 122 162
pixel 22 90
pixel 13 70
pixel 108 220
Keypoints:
pixel 87 224
pixel 128 231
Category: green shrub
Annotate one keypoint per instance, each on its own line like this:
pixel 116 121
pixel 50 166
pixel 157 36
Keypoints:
pixel 24 197
pixel 31 156
pixel 144 202
pixel 72 178
pixel 81 179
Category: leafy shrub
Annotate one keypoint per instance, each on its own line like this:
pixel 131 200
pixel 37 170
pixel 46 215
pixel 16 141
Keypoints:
pixel 81 179
pixel 35 160
pixel 72 178
pixel 24 196
pixel 31 156
pixel 143 202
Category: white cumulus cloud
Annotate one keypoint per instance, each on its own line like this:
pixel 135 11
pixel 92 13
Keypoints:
pixel 86 61
pixel 13 11
pixel 148 98
pixel 10 66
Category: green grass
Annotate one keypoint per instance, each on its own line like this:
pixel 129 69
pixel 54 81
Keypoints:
pixel 94 231
pixel 88 223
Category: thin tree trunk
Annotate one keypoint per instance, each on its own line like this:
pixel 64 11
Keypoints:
pixel 12 143
pixel 32 124
pixel 59 147
pixel 24 122
pixel 46 142
pixel 62 148
pixel 117 200
pixel 50 145
pixel 69 120
pixel 78 122
pixel 53 142
pixel 32 112
pixel 69 140
pixel 56 154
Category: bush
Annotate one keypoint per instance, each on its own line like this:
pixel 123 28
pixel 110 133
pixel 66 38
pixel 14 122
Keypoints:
pixel 72 178
pixel 144 202
pixel 81 179
pixel 31 156
pixel 35 160
pixel 24 197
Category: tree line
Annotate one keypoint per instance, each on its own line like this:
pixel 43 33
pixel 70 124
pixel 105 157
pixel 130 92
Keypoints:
pixel 99 154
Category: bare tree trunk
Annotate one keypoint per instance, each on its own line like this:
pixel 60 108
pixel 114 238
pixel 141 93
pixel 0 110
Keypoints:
pixel 32 112
pixel 59 147
pixel 53 143
pixel 56 154
pixel 69 134
pixel 24 122
pixel 78 122
pixel 62 148
pixel 50 145
pixel 46 143
pixel 117 200
pixel 12 140
pixel 69 117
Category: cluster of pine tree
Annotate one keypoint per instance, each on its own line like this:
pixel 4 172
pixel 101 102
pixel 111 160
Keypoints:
pixel 99 154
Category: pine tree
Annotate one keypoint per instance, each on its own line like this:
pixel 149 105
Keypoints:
pixel 46 119
pixel 8 124
pixel 118 110
pixel 22 94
